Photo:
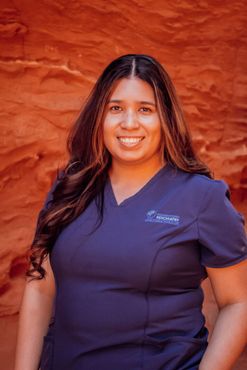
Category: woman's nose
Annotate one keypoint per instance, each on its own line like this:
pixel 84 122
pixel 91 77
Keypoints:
pixel 130 120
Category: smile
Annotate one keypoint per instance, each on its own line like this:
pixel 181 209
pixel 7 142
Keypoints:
pixel 130 140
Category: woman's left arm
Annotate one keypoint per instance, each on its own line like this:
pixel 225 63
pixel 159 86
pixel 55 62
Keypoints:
pixel 229 335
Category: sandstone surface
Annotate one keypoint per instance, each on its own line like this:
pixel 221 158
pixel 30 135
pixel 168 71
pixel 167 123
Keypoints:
pixel 51 52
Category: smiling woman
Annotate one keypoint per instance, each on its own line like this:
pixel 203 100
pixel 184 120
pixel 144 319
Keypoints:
pixel 131 227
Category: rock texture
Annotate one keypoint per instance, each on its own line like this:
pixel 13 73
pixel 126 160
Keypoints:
pixel 52 51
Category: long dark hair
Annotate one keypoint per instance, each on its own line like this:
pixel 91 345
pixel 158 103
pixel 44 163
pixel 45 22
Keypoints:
pixel 85 174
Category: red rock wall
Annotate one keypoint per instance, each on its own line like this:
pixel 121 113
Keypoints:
pixel 52 51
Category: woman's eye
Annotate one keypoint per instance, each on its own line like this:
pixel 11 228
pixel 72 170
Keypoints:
pixel 146 110
pixel 115 108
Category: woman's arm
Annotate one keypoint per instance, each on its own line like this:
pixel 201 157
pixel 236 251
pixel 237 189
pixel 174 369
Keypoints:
pixel 35 313
pixel 229 336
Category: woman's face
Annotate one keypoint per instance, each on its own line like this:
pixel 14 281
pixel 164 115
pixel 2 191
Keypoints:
pixel 131 123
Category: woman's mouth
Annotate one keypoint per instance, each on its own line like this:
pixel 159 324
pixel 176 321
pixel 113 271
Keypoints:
pixel 130 140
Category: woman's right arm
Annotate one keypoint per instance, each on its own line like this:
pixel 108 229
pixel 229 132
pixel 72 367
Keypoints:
pixel 35 314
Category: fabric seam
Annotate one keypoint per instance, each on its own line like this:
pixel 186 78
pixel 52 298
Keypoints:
pixel 201 208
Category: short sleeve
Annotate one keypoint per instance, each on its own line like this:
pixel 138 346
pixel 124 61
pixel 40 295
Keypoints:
pixel 48 199
pixel 221 232
pixel 49 196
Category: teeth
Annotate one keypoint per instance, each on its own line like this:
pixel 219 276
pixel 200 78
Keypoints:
pixel 130 139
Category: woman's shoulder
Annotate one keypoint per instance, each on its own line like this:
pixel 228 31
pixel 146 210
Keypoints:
pixel 198 184
pixel 199 179
pixel 50 194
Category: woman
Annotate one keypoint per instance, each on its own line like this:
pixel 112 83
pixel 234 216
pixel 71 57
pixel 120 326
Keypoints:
pixel 130 229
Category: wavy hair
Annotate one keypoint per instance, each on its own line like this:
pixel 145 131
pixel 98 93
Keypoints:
pixel 83 178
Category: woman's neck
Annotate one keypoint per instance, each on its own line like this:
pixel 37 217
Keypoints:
pixel 128 173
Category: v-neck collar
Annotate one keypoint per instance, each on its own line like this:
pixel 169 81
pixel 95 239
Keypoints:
pixel 143 189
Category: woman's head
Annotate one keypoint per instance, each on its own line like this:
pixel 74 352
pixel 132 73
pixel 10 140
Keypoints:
pixel 86 141
pixel 131 124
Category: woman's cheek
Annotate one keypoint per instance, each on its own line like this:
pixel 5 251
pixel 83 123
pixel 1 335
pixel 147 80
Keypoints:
pixel 113 119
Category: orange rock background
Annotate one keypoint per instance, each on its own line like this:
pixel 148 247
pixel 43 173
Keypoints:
pixel 52 51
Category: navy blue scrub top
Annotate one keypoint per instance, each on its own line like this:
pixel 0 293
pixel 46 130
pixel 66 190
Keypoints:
pixel 128 295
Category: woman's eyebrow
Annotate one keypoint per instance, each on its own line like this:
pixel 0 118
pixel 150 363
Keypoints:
pixel 141 102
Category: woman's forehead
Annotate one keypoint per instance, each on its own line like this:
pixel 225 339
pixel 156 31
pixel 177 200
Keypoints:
pixel 132 89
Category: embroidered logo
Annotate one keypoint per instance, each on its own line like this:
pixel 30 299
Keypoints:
pixel 155 216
